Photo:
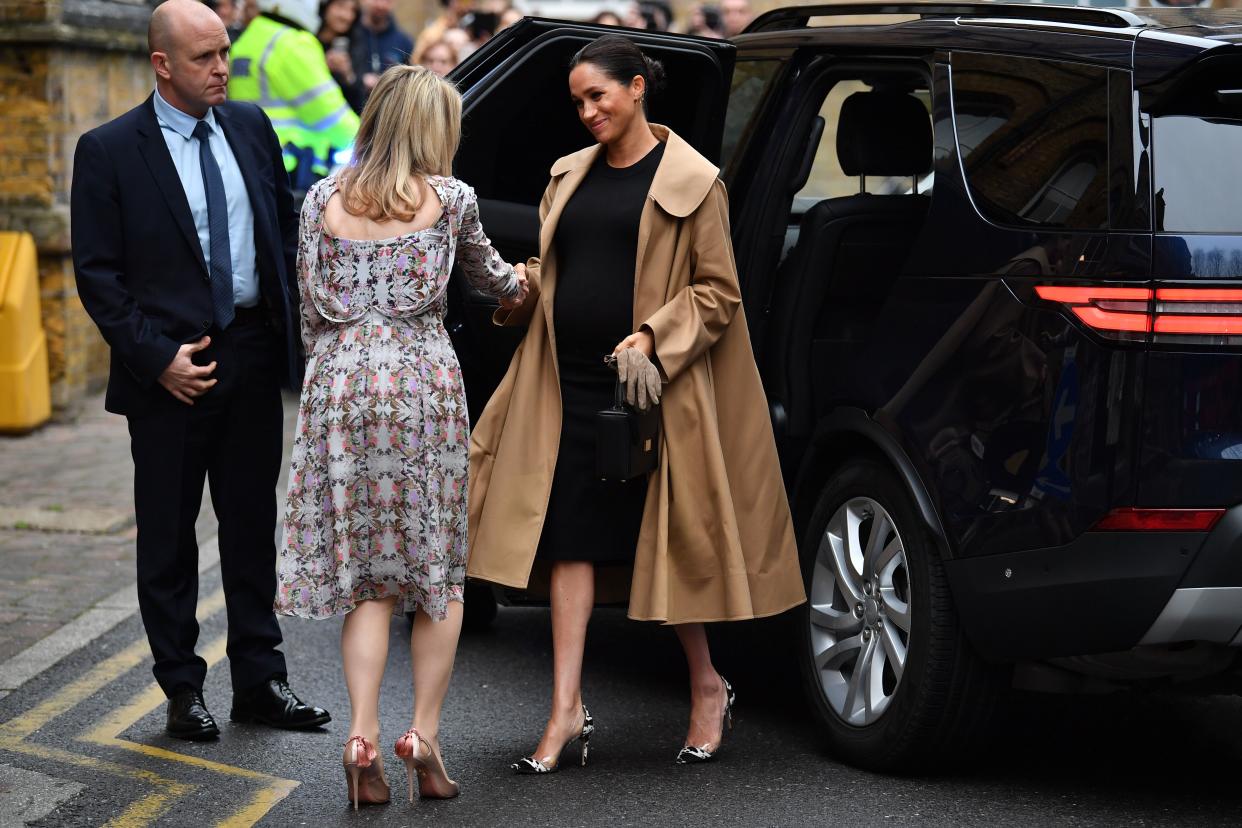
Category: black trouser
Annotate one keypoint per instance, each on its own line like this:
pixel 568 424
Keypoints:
pixel 232 437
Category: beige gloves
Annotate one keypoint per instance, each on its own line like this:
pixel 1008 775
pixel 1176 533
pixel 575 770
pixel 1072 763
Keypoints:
pixel 640 377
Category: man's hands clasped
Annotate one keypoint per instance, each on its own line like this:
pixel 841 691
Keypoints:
pixel 185 380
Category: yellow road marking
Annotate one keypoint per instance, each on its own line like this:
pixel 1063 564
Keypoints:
pixel 144 811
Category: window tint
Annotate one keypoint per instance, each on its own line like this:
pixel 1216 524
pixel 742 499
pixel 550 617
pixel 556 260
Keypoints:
pixel 752 81
pixel 1033 136
pixel 1198 174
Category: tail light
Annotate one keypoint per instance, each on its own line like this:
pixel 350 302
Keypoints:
pixel 1159 520
pixel 1115 309
pixel 1162 315
pixel 1183 313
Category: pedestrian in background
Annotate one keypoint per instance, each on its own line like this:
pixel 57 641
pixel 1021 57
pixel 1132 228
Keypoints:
pixel 230 15
pixel 705 21
pixel 606 18
pixel 336 34
pixel 440 57
pixel 379 43
pixel 735 15
pixel 375 521
pixel 451 13
pixel 461 42
pixel 183 240
pixel 279 63
pixel 635 262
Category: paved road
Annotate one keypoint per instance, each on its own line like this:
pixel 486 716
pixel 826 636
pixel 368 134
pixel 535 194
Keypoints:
pixel 94 721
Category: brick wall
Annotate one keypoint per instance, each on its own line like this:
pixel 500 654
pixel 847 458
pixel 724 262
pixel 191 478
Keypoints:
pixel 65 67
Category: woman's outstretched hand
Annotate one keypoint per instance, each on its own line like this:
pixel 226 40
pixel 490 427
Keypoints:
pixel 516 300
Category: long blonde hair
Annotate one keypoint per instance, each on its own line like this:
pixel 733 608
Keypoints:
pixel 410 126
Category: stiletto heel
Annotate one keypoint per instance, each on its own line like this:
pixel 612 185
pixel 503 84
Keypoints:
pixel 551 764
pixel 353 772
pixel 419 759
pixel 695 754
pixel 358 761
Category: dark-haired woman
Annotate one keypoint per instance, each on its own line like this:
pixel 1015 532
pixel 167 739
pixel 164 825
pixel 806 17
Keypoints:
pixel 636 262
pixel 337 19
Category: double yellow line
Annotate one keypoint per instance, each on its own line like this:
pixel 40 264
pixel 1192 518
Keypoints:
pixel 15 736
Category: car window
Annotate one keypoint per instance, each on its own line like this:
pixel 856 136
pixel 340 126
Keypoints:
pixel 1033 138
pixel 826 179
pixel 1197 173
pixel 752 82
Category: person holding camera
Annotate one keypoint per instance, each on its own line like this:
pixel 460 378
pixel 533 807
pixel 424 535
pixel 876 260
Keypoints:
pixel 336 31
pixel 636 265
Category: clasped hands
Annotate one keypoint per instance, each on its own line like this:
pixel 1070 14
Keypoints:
pixel 516 300
pixel 636 371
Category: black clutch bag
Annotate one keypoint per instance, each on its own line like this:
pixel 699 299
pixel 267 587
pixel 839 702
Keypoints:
pixel 627 441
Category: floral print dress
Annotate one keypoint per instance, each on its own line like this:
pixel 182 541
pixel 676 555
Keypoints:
pixel 377 484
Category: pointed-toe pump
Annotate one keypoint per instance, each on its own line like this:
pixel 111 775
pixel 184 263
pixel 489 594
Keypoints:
pixel 551 764
pixel 421 761
pixel 366 781
pixel 695 754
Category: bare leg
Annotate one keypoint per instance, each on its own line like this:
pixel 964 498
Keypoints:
pixel 433 647
pixel 573 597
pixel 707 696
pixel 364 652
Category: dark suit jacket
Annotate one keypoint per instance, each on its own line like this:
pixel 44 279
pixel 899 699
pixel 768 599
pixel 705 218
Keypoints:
pixel 140 268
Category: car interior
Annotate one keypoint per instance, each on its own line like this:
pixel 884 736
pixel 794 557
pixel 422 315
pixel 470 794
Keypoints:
pixel 858 210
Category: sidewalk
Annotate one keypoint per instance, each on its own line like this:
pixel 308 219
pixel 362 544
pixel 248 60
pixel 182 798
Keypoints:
pixel 67 535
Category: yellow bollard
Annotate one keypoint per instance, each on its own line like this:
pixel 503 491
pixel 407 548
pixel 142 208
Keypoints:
pixel 25 395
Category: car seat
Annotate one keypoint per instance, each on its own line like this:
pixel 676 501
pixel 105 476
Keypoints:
pixel 850 250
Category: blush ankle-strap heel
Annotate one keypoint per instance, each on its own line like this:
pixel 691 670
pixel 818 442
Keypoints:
pixel 421 761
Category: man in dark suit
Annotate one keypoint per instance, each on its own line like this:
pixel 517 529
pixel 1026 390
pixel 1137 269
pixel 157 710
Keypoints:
pixel 184 238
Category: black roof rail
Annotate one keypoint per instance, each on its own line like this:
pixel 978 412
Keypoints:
pixel 797 17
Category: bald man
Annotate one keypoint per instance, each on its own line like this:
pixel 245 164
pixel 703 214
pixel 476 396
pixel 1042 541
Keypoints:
pixel 184 237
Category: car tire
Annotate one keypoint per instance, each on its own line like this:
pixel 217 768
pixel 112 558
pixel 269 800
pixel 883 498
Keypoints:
pixel 945 695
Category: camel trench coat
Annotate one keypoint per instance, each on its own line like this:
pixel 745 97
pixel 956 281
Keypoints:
pixel 716 542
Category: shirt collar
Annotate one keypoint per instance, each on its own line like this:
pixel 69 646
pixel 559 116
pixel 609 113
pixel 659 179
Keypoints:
pixel 178 121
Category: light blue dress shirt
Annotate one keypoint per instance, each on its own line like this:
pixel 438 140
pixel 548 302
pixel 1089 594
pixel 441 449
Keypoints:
pixel 178 130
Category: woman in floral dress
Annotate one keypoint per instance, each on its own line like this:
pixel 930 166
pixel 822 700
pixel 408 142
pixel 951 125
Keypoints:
pixel 375 522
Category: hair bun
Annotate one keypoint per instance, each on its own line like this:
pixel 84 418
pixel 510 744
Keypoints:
pixel 656 77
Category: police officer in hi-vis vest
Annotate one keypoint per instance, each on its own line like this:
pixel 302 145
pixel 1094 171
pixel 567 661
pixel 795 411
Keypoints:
pixel 279 64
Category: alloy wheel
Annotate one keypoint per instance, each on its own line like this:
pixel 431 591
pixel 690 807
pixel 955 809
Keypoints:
pixel 860 611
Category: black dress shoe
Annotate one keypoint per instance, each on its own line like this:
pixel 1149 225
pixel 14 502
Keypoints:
pixel 272 703
pixel 188 717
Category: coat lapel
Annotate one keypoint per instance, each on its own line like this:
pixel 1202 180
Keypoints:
pixel 574 169
pixel 155 153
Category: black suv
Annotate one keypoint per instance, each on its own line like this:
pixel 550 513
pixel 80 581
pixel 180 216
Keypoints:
pixel 991 258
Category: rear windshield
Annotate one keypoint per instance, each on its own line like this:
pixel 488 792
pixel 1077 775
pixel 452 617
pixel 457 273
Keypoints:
pixel 1197 152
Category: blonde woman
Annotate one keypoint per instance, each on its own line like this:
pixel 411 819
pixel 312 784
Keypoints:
pixel 375 522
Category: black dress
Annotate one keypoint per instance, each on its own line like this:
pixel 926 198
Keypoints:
pixel 593 309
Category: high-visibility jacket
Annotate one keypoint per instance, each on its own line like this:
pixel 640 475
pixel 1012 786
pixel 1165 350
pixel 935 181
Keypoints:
pixel 283 70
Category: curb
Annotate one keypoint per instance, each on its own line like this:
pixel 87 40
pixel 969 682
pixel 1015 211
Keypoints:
pixel 81 631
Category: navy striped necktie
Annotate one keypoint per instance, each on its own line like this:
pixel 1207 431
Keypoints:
pixel 221 265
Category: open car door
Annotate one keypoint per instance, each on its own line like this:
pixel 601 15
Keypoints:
pixel 518 119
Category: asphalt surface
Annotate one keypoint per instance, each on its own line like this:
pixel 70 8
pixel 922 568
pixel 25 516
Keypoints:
pixel 1126 759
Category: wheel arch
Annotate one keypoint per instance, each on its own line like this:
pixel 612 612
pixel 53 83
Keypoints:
pixel 847 433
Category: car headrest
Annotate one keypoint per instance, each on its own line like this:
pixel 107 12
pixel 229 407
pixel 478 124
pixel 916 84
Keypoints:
pixel 884 133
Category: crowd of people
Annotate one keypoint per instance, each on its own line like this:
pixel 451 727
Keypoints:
pixel 361 38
